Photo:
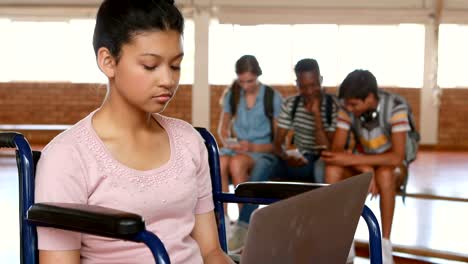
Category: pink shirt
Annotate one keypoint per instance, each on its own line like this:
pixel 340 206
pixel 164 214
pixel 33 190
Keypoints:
pixel 76 167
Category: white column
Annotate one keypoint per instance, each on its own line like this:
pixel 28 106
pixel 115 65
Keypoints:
pixel 430 93
pixel 201 87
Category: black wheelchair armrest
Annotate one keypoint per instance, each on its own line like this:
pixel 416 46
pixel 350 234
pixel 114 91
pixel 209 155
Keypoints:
pixel 277 190
pixel 91 219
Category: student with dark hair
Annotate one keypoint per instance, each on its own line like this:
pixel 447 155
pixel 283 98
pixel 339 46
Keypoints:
pixel 247 122
pixel 311 114
pixel 380 121
pixel 126 155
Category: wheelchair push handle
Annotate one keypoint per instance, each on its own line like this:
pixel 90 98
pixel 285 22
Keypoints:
pixel 7 139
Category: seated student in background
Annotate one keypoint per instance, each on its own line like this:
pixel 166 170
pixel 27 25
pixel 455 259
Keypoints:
pixel 247 122
pixel 313 123
pixel 311 114
pixel 381 140
pixel 126 155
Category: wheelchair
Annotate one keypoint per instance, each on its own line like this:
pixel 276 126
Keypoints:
pixel 112 223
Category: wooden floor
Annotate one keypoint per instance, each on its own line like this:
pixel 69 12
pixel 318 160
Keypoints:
pixel 439 225
pixel 443 174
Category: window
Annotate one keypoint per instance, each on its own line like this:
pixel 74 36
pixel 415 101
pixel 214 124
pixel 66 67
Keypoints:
pixel 5 48
pixel 394 53
pixel 61 51
pixel 271 45
pixel 82 58
pixel 187 69
pixel 35 51
pixel 319 42
pixel 453 56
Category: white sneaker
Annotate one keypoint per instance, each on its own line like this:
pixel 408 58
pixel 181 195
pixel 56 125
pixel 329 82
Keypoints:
pixel 237 241
pixel 351 254
pixel 228 227
pixel 387 251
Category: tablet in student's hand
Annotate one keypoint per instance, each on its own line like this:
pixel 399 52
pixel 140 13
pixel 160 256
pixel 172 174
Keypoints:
pixel 294 153
pixel 231 141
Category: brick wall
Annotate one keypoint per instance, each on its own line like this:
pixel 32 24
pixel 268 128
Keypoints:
pixel 453 119
pixel 66 103
pixel 47 103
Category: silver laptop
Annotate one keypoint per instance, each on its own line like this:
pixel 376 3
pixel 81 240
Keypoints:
pixel 314 227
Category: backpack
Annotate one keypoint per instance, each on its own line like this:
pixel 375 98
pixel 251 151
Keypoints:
pixel 267 102
pixel 412 136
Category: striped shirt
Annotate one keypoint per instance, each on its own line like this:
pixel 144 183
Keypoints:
pixel 375 137
pixel 303 124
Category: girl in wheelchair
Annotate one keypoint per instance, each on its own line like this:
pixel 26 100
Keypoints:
pixel 126 155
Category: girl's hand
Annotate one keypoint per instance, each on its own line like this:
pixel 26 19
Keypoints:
pixel 235 147
pixel 243 146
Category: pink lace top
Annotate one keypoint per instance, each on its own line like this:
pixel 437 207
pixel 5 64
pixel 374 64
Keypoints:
pixel 76 167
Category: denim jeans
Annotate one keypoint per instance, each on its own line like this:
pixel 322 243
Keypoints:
pixel 262 171
pixel 304 173
pixel 271 167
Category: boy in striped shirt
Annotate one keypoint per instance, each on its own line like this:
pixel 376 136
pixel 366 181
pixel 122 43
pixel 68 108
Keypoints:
pixel 313 121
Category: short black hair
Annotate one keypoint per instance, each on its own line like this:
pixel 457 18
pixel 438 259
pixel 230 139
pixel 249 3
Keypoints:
pixel 248 63
pixel 307 65
pixel 117 21
pixel 358 84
